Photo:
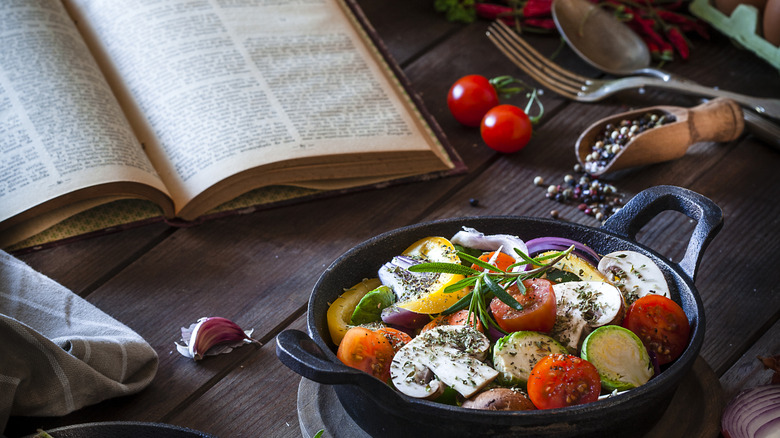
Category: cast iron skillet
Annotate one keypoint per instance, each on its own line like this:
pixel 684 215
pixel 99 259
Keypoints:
pixel 382 411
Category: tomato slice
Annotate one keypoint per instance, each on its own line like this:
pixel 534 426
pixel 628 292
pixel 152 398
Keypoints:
pixel 539 307
pixel 457 318
pixel 503 260
pixel 367 351
pixel 561 380
pixel 396 337
pixel 661 324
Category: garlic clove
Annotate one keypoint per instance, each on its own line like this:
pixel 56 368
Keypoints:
pixel 211 336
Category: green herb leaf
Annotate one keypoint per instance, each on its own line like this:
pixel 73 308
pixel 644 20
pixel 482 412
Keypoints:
pixel 461 304
pixel 443 267
pixel 481 263
pixel 489 283
pixel 502 294
pixel 466 282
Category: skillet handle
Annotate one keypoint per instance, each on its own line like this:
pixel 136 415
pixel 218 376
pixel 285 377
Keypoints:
pixel 649 203
pixel 298 351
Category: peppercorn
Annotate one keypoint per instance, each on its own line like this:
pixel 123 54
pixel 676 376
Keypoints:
pixel 473 202
pixel 590 195
pixel 611 140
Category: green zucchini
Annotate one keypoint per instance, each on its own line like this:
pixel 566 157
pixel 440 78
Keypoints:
pixel 619 356
pixel 515 355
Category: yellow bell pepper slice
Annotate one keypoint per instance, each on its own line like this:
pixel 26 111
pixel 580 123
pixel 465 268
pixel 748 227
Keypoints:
pixel 432 298
pixel 340 311
pixel 579 267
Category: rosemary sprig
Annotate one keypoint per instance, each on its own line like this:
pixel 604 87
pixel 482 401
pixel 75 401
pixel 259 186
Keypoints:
pixel 490 282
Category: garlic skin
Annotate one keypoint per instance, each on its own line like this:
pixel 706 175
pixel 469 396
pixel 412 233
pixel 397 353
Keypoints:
pixel 211 336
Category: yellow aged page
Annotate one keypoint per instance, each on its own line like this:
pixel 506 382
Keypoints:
pixel 65 144
pixel 217 87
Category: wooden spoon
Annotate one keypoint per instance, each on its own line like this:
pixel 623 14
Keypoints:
pixel 717 120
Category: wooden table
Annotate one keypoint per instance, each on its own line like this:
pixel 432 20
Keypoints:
pixel 259 269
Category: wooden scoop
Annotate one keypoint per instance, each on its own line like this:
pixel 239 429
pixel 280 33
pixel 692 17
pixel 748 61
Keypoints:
pixel 717 120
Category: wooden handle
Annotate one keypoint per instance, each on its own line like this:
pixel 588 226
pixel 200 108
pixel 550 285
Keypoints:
pixel 720 119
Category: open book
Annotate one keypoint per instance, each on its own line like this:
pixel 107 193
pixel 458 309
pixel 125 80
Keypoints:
pixel 196 107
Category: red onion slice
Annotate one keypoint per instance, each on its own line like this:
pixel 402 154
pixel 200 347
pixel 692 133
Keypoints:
pixel 753 413
pixel 399 317
pixel 543 244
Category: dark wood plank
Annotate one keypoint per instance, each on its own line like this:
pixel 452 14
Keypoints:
pixel 748 371
pixel 260 396
pixel 407 28
pixel 737 277
pixel 83 265
pixel 259 269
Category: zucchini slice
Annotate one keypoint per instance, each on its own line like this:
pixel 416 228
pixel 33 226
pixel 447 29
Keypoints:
pixel 515 355
pixel 619 356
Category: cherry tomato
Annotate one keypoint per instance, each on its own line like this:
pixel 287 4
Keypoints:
pixel 561 380
pixel 539 307
pixel 502 261
pixel 470 97
pixel 457 318
pixel 506 128
pixel 661 324
pixel 367 351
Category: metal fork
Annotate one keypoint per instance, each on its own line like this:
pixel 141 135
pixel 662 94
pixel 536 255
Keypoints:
pixel 576 87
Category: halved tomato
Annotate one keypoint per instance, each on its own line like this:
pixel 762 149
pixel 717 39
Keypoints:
pixel 561 380
pixel 457 318
pixel 371 351
pixel 539 307
pixel 502 260
pixel 661 324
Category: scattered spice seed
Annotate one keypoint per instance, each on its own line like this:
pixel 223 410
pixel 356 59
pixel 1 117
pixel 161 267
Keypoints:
pixel 591 196
pixel 614 137
pixel 474 202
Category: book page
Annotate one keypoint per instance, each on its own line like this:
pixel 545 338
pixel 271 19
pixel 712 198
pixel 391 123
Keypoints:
pixel 63 135
pixel 217 87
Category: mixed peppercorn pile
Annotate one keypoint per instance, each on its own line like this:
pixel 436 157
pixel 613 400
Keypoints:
pixel 614 137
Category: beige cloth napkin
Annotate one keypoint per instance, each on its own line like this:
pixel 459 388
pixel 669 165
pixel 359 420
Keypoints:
pixel 58 352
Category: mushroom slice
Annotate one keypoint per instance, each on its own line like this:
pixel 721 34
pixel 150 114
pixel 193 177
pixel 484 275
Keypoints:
pixel 453 353
pixel 582 307
pixel 415 380
pixel 634 274
pixel 500 399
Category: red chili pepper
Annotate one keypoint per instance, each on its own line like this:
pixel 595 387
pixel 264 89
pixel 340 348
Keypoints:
pixel 537 9
pixel 492 11
pixel 648 34
pixel 684 22
pixel 678 41
pixel 655 51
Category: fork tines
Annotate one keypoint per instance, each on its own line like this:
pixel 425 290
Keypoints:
pixel 536 65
